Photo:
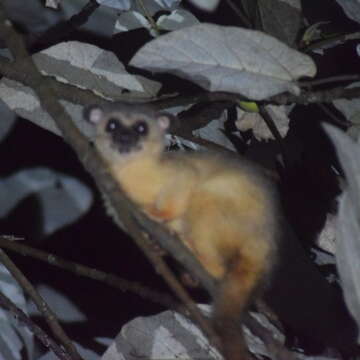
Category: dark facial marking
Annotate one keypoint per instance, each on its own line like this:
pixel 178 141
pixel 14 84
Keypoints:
pixel 124 138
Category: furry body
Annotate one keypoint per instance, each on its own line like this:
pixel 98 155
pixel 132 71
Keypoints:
pixel 222 209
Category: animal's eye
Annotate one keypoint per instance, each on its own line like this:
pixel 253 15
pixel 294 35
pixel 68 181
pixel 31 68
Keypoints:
pixel 112 125
pixel 141 128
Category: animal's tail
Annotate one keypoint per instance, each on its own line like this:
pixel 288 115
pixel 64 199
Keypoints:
pixel 235 293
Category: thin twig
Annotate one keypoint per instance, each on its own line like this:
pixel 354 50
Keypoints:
pixel 306 97
pixel 331 42
pixel 82 270
pixel 46 340
pixel 313 97
pixel 331 79
pixel 41 304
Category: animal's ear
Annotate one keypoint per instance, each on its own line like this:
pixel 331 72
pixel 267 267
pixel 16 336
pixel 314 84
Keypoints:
pixel 165 120
pixel 93 114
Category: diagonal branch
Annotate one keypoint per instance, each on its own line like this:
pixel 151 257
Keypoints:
pixel 125 209
pixel 41 304
pixel 6 303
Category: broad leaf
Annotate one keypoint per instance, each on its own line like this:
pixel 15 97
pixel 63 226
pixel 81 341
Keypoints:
pixel 231 59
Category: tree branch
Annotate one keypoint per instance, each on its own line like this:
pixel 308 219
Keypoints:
pixel 339 78
pixel 331 42
pixel 6 303
pixel 124 208
pixel 42 306
pixel 82 270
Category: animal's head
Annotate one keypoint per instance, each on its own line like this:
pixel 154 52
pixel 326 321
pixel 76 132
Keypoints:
pixel 125 131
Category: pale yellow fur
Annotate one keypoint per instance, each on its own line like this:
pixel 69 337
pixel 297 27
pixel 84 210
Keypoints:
pixel 204 201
